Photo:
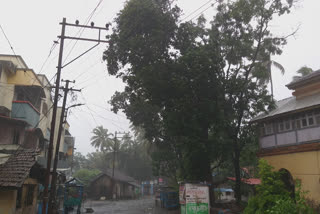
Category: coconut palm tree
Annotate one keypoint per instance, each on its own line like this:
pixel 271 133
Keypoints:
pixel 266 66
pixel 101 139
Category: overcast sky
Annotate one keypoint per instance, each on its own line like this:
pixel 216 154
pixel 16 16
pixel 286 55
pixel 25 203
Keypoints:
pixel 33 25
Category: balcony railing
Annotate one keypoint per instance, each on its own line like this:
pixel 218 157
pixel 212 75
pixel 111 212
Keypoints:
pixel 24 110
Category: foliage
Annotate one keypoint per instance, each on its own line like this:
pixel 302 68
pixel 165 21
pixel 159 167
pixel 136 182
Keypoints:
pixel 130 155
pixel 192 88
pixel 79 161
pixel 273 197
pixel 304 70
pixel 101 139
pixel 86 175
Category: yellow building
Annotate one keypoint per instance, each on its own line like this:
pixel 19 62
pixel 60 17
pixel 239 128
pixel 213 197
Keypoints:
pixel 290 134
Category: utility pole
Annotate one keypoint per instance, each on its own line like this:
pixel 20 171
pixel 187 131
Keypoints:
pixel 114 157
pixel 52 198
pixel 57 86
pixel 53 121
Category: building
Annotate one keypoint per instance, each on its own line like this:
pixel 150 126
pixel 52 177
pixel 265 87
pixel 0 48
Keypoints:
pixel 25 125
pixel 19 179
pixel 123 186
pixel 290 135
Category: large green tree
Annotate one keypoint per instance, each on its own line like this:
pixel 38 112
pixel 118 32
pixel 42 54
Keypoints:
pixel 193 89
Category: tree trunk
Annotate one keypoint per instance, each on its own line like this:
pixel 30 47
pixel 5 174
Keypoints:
pixel 236 162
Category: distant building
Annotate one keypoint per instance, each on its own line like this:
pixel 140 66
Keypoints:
pixel 119 186
pixel 290 135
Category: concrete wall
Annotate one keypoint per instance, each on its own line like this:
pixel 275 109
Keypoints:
pixel 6 91
pixel 24 77
pixel 8 201
pixel 304 166
pixel 33 207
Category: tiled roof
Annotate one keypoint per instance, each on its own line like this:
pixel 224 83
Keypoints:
pixel 250 181
pixel 17 168
pixel 291 104
pixel 117 176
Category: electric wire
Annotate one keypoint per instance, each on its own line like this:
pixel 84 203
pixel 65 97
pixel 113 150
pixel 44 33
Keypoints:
pixel 81 30
pixel 190 14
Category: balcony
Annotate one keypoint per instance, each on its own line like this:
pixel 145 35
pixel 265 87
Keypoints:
pixel 62 164
pixel 24 110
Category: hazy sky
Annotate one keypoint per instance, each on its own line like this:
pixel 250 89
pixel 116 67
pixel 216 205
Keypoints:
pixel 33 25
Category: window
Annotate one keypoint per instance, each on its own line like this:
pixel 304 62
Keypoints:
pixel 19 195
pixel 16 136
pixel 307 120
pixel 30 194
pixel 285 125
pixel 281 126
pixel 267 128
pixel 310 119
pixel 228 193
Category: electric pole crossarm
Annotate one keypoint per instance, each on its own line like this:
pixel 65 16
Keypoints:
pixel 85 39
pixel 86 26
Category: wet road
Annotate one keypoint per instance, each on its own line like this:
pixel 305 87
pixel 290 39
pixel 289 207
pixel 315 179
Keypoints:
pixel 144 205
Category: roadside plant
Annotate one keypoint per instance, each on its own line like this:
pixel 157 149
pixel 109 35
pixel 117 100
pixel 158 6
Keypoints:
pixel 273 196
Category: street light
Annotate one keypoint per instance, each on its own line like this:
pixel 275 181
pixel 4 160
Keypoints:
pixel 74 105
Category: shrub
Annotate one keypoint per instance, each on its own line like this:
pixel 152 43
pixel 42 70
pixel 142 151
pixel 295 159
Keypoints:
pixel 273 197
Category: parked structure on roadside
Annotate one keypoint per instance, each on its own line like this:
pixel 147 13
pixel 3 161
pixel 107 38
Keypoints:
pixel 290 135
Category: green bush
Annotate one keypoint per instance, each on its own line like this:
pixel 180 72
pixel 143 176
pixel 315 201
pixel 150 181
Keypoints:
pixel 273 197
pixel 86 175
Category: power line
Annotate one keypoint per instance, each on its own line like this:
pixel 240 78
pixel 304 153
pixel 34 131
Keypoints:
pixel 7 40
pixel 81 30
pixel 195 10
pixel 199 14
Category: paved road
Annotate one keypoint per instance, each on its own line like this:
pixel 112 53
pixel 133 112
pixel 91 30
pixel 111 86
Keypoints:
pixel 139 206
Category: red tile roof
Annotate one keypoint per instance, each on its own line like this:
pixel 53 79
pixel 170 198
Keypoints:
pixel 250 181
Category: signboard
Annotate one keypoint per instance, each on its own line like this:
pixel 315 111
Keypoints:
pixel 197 199
pixel 160 180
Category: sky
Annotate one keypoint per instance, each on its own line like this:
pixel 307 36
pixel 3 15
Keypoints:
pixel 33 25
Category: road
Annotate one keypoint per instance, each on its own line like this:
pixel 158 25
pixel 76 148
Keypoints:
pixel 144 205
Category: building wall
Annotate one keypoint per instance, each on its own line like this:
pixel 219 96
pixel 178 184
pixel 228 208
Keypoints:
pixel 304 166
pixel 31 208
pixel 8 201
pixel 24 77
pixel 101 187
pixel 6 91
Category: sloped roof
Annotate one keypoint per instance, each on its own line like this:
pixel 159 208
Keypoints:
pixel 312 77
pixel 250 181
pixel 291 104
pixel 117 176
pixel 17 168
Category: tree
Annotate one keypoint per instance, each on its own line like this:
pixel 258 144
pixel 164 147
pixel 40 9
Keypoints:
pixel 79 161
pixel 101 139
pixel 304 70
pixel 191 88
pixel 86 175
